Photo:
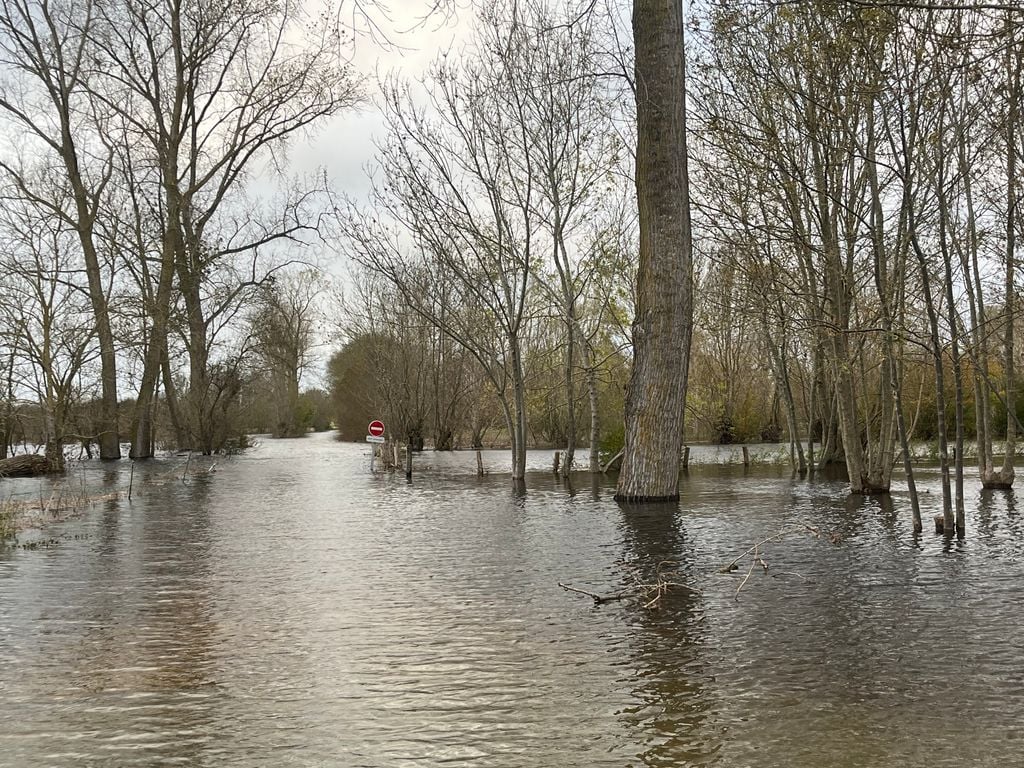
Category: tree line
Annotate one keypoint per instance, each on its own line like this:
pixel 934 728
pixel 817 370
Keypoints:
pixel 865 186
pixel 854 185
pixel 156 252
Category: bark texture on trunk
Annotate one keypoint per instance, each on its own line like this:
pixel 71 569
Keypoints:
pixel 656 395
pixel 156 352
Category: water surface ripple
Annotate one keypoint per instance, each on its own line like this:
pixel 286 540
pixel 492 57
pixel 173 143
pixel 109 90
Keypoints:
pixel 291 609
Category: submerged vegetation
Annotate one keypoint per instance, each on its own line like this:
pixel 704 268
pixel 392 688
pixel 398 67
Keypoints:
pixel 64 500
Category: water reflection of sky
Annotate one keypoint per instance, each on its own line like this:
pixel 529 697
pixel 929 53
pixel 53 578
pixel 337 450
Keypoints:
pixel 293 609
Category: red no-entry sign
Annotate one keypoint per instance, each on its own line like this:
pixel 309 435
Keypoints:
pixel 376 428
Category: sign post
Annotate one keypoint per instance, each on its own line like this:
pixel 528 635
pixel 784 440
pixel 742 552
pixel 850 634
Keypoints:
pixel 375 434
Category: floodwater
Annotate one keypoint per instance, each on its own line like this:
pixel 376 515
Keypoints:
pixel 291 609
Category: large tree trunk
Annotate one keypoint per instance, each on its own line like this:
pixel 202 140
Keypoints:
pixel 171 399
pixel 109 439
pixel 109 436
pixel 200 415
pixel 519 413
pixel 142 423
pixel 656 395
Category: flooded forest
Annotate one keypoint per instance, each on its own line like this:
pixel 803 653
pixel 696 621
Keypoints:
pixel 850 175
pixel 687 322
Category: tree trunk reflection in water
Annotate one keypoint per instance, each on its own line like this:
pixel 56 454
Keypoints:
pixel 667 643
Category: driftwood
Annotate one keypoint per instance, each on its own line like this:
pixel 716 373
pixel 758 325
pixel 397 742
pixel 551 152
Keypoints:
pixel 599 599
pixel 26 465
pixel 756 552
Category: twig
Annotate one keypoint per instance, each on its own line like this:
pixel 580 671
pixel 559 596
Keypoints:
pixel 750 570
pixel 757 552
pixel 598 599
pixel 654 600
pixel 660 584
pixel 731 566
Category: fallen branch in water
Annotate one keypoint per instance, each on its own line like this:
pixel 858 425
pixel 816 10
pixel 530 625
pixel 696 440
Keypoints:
pixel 650 593
pixel 28 465
pixel 598 599
pixel 756 552
pixel 667 576
pixel 778 535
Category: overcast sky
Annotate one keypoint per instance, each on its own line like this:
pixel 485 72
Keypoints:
pixel 344 146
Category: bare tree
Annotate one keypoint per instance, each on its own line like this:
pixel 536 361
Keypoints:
pixel 285 323
pixel 208 93
pixel 461 185
pixel 52 47
pixel 552 61
pixel 46 313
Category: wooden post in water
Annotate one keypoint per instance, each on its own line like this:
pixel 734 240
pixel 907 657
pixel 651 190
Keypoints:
pixel 557 461
pixel 131 479
pixel 746 456
pixel 686 457
pixel 395 451
pixel 479 464
pixel 408 462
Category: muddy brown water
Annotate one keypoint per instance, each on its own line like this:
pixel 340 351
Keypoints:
pixel 291 609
